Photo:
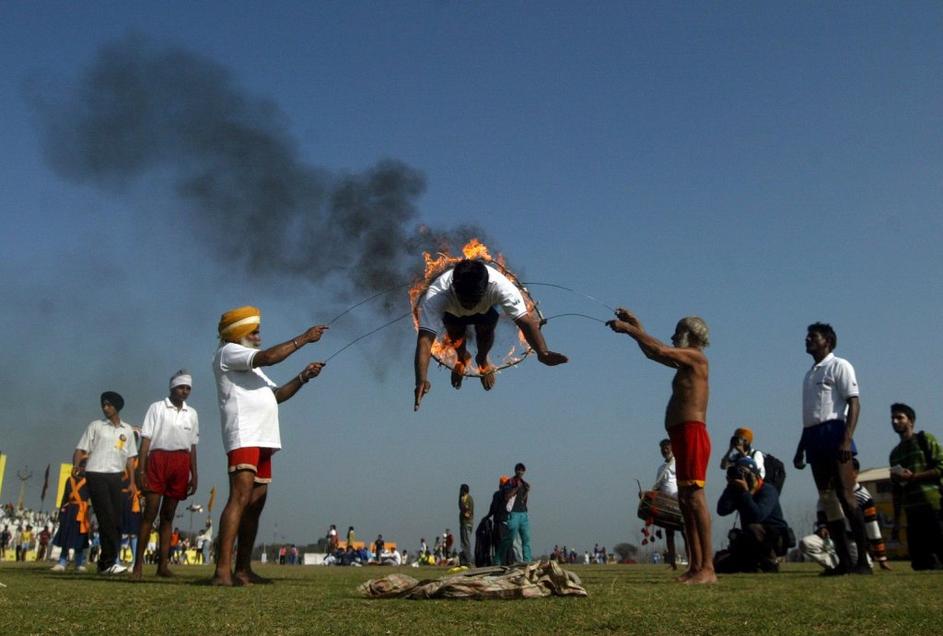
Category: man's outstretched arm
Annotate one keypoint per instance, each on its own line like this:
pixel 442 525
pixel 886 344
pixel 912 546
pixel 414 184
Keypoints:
pixel 651 346
pixel 421 365
pixel 530 327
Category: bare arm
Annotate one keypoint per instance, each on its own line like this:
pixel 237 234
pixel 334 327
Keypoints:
pixel 129 466
pixel 424 342
pixel 78 457
pixel 652 347
pixel 854 408
pixel 274 355
pixel 287 390
pixel 530 327
pixel 191 489
pixel 142 462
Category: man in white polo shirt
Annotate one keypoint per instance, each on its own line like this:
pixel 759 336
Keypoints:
pixel 167 470
pixel 466 296
pixel 248 406
pixel 105 450
pixel 830 411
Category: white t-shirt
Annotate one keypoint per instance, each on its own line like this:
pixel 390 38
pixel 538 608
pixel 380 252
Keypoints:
pixel 440 298
pixel 247 406
pixel 665 480
pixel 108 446
pixel 826 389
pixel 170 428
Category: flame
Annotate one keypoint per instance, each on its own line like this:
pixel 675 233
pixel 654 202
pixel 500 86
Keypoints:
pixel 443 349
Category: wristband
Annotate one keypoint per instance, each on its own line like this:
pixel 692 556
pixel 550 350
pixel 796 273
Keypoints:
pixel 294 341
pixel 301 378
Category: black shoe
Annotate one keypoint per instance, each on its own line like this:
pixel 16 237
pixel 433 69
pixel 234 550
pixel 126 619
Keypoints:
pixel 839 571
pixel 862 568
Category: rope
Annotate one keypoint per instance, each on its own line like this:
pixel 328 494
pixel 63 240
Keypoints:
pixel 369 333
pixel 573 291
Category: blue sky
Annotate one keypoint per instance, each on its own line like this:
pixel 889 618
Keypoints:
pixel 763 166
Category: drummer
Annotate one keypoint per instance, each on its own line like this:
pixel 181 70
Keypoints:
pixel 666 483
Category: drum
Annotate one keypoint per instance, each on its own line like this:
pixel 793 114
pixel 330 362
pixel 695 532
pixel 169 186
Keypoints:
pixel 660 509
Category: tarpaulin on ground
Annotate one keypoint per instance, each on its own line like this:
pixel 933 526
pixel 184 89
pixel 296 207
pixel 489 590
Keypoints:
pixel 529 580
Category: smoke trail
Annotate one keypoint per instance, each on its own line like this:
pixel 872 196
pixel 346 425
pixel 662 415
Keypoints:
pixel 142 110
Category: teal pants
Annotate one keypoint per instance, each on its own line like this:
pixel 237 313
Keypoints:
pixel 517 524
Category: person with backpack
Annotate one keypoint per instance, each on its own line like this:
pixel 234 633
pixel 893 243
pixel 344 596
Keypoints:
pixel 765 534
pixel 916 468
pixel 772 470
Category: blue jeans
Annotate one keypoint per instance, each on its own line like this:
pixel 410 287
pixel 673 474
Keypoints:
pixel 517 523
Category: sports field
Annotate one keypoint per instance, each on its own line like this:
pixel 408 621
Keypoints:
pixel 636 599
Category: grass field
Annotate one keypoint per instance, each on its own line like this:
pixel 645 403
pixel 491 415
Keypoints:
pixel 636 599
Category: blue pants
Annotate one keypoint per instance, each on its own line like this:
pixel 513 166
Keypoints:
pixel 517 523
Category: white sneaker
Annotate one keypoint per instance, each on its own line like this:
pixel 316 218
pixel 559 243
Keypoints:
pixel 58 567
pixel 115 569
pixel 81 568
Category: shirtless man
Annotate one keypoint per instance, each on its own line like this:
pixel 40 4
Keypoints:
pixel 684 420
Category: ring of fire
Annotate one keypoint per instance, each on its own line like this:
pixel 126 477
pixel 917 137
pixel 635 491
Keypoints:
pixel 443 350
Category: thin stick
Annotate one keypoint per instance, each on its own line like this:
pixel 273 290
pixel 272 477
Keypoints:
pixel 592 298
pixel 369 333
pixel 575 314
pixel 366 300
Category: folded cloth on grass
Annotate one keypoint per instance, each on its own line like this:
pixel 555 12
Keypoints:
pixel 526 580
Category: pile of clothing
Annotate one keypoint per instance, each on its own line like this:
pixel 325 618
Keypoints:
pixel 526 580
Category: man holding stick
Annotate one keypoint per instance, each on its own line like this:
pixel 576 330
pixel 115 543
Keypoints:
pixel 248 405
pixel 684 420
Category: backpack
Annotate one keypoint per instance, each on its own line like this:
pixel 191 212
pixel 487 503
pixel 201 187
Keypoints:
pixel 775 471
pixel 483 536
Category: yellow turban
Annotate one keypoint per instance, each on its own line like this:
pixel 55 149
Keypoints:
pixel 236 324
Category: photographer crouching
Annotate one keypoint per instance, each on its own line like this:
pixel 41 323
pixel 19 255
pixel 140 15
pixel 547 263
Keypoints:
pixel 765 534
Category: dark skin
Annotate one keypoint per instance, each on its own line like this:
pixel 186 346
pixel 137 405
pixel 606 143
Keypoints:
pixel 529 326
pixel 79 457
pixel 240 517
pixel 688 402
pixel 837 475
pixel 904 427
pixel 153 502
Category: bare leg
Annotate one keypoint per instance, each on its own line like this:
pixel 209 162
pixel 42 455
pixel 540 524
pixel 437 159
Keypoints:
pixel 456 334
pixel 240 493
pixel 845 489
pixel 484 334
pixel 698 537
pixel 247 532
pixel 151 503
pixel 168 510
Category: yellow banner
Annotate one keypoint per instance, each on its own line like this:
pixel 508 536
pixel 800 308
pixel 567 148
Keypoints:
pixel 3 468
pixel 64 471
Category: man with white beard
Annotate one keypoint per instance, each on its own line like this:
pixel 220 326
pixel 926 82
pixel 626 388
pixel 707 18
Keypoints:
pixel 248 406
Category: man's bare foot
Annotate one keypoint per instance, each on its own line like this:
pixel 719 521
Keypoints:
pixel 222 580
pixel 685 576
pixel 458 370
pixel 136 575
pixel 250 578
pixel 487 372
pixel 165 572
pixel 702 577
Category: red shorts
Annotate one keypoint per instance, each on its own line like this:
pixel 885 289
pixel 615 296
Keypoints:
pixel 258 460
pixel 168 473
pixel 691 447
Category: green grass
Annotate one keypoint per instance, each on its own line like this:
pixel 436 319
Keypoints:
pixel 638 599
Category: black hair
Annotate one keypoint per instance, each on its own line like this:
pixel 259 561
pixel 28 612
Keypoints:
pixel 519 466
pixel 664 442
pixel 827 332
pixel 463 489
pixel 470 279
pixel 900 407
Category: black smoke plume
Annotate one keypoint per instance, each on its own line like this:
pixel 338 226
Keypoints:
pixel 144 110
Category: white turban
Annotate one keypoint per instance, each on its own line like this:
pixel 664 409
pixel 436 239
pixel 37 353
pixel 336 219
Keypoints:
pixel 181 377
